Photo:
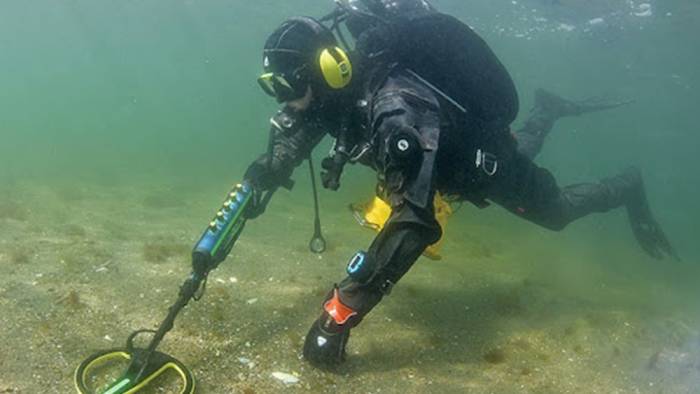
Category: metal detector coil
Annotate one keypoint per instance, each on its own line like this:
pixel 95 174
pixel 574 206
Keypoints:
pixel 159 364
pixel 137 367
pixel 149 368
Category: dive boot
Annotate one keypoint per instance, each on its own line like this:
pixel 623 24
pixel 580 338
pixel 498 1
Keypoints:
pixel 647 230
pixel 559 107
pixel 324 346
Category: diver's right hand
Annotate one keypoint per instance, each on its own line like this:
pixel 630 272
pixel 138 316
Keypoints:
pixel 257 204
pixel 264 182
pixel 261 177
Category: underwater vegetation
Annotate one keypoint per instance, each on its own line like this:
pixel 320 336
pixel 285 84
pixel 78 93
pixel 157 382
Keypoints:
pixel 20 254
pixel 70 193
pixel 13 210
pixel 79 256
pixel 71 300
pixel 160 251
pixel 495 356
pixel 74 230
pixel 507 303
pixel 116 230
pixel 169 198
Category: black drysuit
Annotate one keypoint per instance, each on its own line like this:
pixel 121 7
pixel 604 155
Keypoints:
pixel 455 155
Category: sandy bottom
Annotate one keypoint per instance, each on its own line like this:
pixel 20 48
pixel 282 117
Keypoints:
pixel 510 309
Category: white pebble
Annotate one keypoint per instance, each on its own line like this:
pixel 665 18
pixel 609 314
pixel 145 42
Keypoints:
pixel 285 378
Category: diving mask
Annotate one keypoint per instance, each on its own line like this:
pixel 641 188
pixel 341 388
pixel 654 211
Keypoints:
pixel 282 88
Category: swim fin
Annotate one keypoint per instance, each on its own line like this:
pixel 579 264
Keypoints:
pixel 646 229
pixel 559 107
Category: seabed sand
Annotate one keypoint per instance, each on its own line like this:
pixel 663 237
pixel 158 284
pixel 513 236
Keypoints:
pixel 510 309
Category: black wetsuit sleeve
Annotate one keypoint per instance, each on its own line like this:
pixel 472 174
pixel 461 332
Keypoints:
pixel 402 109
pixel 292 142
pixel 403 239
pixel 406 126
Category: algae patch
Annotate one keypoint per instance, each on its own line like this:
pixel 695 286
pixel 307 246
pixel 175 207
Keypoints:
pixel 158 252
pixel 14 211
pixel 495 356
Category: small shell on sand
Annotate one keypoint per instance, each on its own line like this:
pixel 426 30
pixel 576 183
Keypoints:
pixel 285 378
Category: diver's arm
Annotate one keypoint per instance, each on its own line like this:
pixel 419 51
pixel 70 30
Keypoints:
pixel 406 129
pixel 291 142
pixel 406 235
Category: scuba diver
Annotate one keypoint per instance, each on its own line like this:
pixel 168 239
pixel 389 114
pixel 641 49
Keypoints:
pixel 430 116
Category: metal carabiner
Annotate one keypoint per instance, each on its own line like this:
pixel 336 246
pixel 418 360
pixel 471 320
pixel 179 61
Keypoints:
pixel 487 162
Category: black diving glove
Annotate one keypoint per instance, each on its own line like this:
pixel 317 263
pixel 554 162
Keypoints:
pixel 264 182
pixel 262 179
pixel 257 206
pixel 332 169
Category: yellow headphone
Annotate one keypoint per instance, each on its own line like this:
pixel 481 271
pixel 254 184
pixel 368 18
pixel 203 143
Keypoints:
pixel 336 68
pixel 332 61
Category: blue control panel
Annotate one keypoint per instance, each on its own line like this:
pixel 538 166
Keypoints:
pixel 223 230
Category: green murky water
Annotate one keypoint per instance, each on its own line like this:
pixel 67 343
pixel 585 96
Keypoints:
pixel 123 123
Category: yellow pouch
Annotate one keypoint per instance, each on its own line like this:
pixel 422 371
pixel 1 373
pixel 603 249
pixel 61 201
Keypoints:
pixel 375 213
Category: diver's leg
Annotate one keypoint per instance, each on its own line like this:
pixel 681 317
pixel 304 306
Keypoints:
pixel 532 193
pixel 549 108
